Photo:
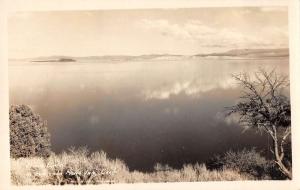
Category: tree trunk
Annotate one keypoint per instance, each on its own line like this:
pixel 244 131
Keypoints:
pixel 279 157
pixel 284 170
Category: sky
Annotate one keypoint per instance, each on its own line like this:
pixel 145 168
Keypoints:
pixel 146 31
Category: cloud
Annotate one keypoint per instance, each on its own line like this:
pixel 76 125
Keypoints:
pixel 228 119
pixel 213 36
pixel 171 111
pixel 189 88
pixel 94 119
pixel 173 89
pixel 274 9
pixel 190 30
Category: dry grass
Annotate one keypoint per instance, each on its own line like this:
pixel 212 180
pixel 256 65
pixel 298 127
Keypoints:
pixel 79 167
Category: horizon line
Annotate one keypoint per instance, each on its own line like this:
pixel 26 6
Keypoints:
pixel 138 55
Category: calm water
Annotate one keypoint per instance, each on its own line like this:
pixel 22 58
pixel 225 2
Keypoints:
pixel 141 111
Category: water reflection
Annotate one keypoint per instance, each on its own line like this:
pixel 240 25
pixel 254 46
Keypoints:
pixel 141 112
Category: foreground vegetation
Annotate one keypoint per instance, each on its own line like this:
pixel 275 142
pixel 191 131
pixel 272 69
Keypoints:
pixel 263 107
pixel 80 167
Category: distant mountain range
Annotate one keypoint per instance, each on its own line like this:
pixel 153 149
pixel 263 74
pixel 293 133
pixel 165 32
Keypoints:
pixel 234 54
pixel 104 58
pixel 251 53
pixel 59 59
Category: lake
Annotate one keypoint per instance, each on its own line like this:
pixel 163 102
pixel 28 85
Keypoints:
pixel 142 111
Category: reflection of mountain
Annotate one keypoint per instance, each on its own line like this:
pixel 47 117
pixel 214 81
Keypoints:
pixel 250 53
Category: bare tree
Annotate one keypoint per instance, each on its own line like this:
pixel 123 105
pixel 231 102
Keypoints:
pixel 264 107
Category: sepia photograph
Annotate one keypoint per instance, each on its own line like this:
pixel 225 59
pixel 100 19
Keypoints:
pixel 149 95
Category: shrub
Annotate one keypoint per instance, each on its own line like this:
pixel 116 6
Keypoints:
pixel 245 161
pixel 77 166
pixel 28 133
pixel 28 171
pixel 192 173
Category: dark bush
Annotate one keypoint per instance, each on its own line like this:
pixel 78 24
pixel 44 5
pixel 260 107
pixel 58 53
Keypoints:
pixel 246 161
pixel 28 133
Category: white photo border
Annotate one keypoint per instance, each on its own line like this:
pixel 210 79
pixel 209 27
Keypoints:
pixel 8 7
